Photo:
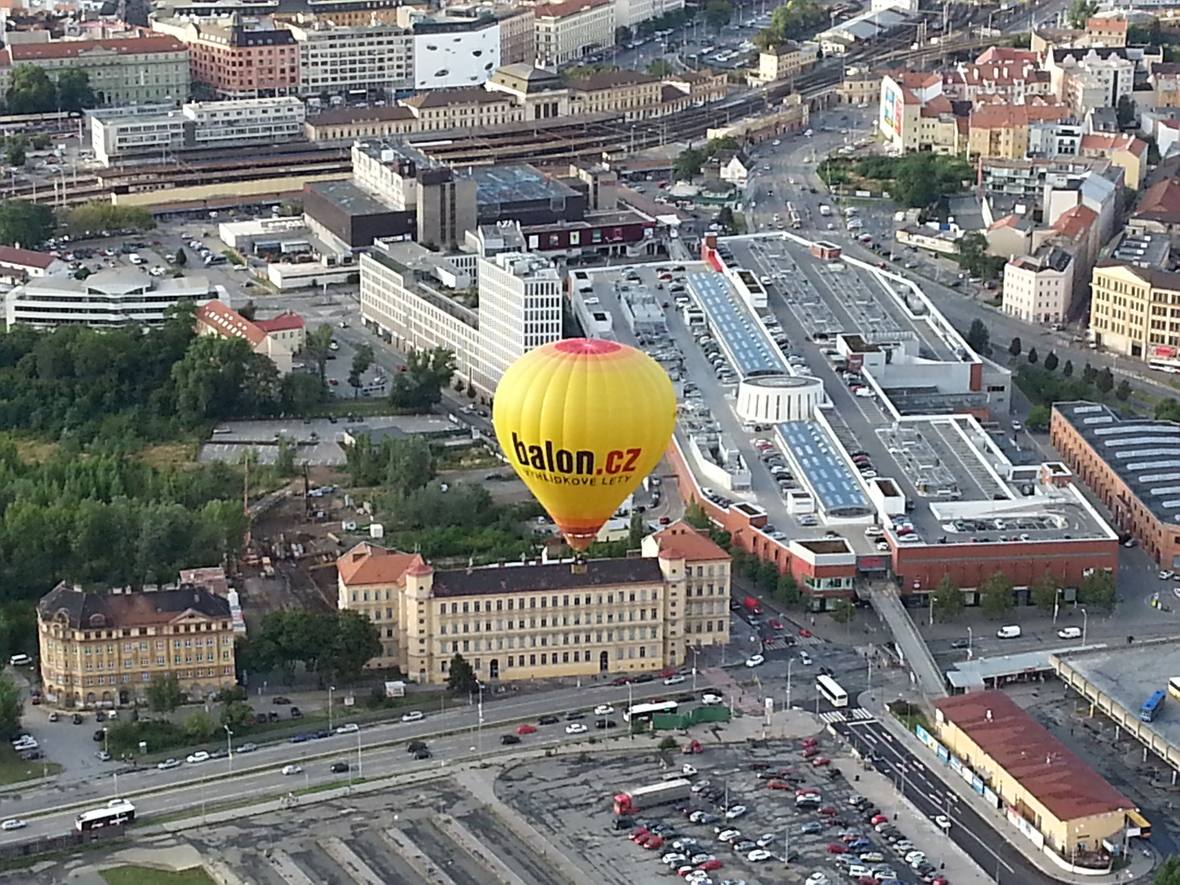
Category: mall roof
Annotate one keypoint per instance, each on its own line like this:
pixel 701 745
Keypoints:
pixel 517 184
pixel 1145 454
pixel 824 471
pixel 751 351
pixel 1068 787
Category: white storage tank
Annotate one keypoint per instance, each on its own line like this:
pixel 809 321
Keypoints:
pixel 773 399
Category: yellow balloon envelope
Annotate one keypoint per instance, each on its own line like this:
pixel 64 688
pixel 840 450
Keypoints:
pixel 583 421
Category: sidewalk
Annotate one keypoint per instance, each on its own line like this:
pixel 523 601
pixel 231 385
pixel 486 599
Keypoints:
pixel 1140 867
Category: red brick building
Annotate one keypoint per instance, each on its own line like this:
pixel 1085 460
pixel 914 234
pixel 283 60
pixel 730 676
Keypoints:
pixel 240 62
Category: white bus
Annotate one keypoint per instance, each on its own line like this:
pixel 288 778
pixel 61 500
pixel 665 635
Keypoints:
pixel 644 712
pixel 114 813
pixel 831 691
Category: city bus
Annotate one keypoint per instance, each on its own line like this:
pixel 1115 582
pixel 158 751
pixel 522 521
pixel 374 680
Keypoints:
pixel 114 813
pixel 1137 822
pixel 644 712
pixel 831 691
pixel 1151 708
pixel 1174 687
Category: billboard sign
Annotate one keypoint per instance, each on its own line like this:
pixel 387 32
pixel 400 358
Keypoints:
pixel 892 109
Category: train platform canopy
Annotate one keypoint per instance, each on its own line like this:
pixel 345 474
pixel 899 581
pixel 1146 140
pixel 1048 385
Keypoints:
pixel 983 673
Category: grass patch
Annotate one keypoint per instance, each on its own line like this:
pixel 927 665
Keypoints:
pixel 910 715
pixel 173 454
pixel 133 875
pixel 34 451
pixel 14 769
pixel 233 257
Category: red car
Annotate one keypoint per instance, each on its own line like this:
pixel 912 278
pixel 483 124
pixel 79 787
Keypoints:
pixel 620 680
pixel 810 742
pixel 827 811
pixel 693 747
pixel 639 834
pixel 821 761
pixel 804 791
pixel 837 848
pixel 710 865
pixel 525 728
pixel 804 632
pixel 809 752
pixel 868 880
pixel 939 880
pixel 652 842
pixel 775 624
pixel 878 819
pixel 665 520
pixel 777 785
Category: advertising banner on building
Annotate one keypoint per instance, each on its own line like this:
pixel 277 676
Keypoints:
pixel 956 765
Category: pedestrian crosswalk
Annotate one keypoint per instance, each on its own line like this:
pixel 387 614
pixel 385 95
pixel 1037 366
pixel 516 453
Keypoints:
pixel 777 642
pixel 854 714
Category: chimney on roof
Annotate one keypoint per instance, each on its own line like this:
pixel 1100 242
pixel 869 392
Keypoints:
pixel 988 716
pixel 578 566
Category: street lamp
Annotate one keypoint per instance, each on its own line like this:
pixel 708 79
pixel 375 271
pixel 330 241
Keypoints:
pixel 1085 623
pixel 229 745
pixel 331 688
pixel 970 638
pixel 360 772
pixel 790 664
pixel 479 721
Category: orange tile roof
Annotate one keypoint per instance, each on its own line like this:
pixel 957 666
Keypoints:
pixel 683 540
pixel 994 54
pixel 369 564
pixel 25 257
pixel 1075 221
pixel 1160 202
pixel 228 323
pixel 284 322
pixel 73 48
pixel 994 116
pixel 566 7
pixel 1104 144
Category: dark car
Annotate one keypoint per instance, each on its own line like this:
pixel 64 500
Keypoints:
pixel 339 767
pixel 77 720
pixel 320 735
pixel 961 643
pixel 296 713
pixel 548 720
pixel 415 746
pixel 574 715
pixel 622 823
pixel 605 723
pixel 279 699
pixel 422 753
pixel 100 716
pixel 100 734
pixel 509 739
pixel 300 739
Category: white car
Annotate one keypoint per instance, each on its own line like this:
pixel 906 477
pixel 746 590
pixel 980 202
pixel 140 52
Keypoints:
pixel 710 700
pixel 735 812
pixel 674 680
pixel 673 859
pixel 804 659
pixel 292 769
pixel 942 822
pixel 687 770
pixel 856 870
pixel 576 728
pixel 413 716
pixel 1166 575
pixel 729 835
pixel 347 728
pixel 914 857
pixel 199 756
pixel 1069 633
pixel 758 855
pixel 1011 631
pixel 168 763
pixel 603 710
pixel 755 661
pixel 13 823
pixel 817 879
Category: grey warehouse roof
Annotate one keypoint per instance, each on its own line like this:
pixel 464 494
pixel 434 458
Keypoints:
pixel 826 474
pixel 1144 453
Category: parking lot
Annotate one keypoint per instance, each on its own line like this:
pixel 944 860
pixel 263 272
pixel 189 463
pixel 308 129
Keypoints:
pixel 773 811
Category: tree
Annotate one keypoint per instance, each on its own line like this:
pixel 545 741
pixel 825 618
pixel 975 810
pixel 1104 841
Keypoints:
pixel 1105 381
pixel 15 153
pixel 1097 590
pixel 362 360
pixel 687 164
pixel 717 14
pixel 842 611
pixel 948 599
pixel 1067 369
pixel 660 68
pixel 1044 593
pixel 164 694
pixel 427 374
pixel 1089 374
pixel 1015 347
pixel 248 310
pixel 1126 112
pixel 460 675
pixel 1169 872
pixel 1051 361
pixel 224 378
pixel 236 714
pixel 285 457
pixel 30 91
pixel 25 224
pixel 725 218
pixel 98 216
pixel 12 707
pixel 73 90
pixel 181 259
pixel 766 577
pixel 199 727
pixel 356 640
pixel 1123 391
pixel 996 595
pixel 1039 417
pixel 979 337
pixel 1079 11
pixel 1032 356
pixel 1167 410
pixel 694 515
pixel 317 344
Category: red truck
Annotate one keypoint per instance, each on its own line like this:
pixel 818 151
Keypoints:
pixel 662 793
pixel 752 606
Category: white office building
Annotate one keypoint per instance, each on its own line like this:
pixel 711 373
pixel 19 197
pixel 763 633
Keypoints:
pixel 152 133
pixel 571 29
pixel 519 309
pixel 373 60
pixel 630 13
pixel 418 300
pixel 455 51
pixel 107 299
pixel 1039 288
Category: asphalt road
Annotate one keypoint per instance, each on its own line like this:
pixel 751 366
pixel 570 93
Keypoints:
pixel 931 797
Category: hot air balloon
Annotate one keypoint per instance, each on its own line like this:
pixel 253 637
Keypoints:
pixel 582 421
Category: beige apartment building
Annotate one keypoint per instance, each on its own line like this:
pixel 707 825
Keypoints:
pixel 634 95
pixel 1135 311
pixel 374 59
pixel 782 62
pixel 518 35
pixel 546 620
pixel 104 649
pixel 463 108
pixel 568 30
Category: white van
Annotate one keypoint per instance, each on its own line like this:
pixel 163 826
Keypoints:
pixel 136 258
pixel 1012 631
pixel 19 661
